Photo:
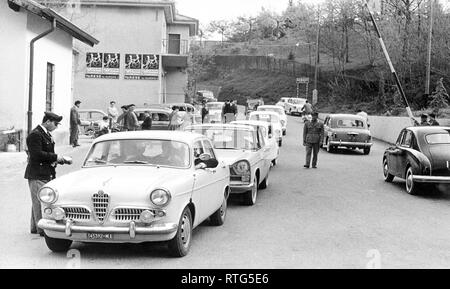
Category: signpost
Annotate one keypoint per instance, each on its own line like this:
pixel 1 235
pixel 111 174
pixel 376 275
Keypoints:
pixel 302 80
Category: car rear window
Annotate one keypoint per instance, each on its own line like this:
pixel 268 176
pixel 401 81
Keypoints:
pixel 438 138
pixel 348 123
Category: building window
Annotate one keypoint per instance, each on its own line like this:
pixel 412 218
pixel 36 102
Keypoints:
pixel 50 87
pixel 174 43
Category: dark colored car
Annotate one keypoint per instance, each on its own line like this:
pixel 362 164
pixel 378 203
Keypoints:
pixel 421 156
pixel 346 130
pixel 160 117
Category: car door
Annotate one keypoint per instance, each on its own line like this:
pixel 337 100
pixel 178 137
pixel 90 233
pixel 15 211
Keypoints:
pixel 394 154
pixel 221 173
pixel 204 194
pixel 401 156
pixel 327 129
pixel 265 147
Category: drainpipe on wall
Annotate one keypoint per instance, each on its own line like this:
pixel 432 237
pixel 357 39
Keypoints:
pixel 31 74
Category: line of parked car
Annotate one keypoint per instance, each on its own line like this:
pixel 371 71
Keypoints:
pixel 153 186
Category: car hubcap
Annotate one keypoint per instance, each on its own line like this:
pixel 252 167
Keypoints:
pixel 409 181
pixel 185 231
pixel 223 209
pixel 385 169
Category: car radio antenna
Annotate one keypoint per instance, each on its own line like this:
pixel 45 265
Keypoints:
pixel 388 59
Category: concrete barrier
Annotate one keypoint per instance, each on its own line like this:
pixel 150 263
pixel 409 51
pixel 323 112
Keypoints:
pixel 387 128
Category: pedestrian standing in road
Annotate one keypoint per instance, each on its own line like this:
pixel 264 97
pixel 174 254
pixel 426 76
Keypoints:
pixel 205 112
pixel 423 121
pixel 433 121
pixel 364 115
pixel 122 120
pixel 147 124
pixel 74 123
pixel 132 120
pixel 313 132
pixel 42 161
pixel 113 113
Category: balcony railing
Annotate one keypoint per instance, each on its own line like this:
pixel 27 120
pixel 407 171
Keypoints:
pixel 175 46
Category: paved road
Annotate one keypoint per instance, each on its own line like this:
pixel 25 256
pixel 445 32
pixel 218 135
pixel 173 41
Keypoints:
pixel 342 215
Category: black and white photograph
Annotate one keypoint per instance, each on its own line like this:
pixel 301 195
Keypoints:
pixel 229 141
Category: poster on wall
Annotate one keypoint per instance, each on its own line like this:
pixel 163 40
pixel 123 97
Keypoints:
pixel 94 64
pixel 133 64
pixel 141 66
pixel 111 65
pixel 150 66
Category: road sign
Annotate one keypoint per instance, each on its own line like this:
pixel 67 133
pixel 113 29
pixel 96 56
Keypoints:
pixel 303 80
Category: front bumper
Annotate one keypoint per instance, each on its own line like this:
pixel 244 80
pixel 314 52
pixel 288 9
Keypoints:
pixel 239 188
pixel 431 179
pixel 132 233
pixel 351 144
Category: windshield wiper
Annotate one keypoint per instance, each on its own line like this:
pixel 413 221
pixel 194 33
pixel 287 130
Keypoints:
pixel 136 162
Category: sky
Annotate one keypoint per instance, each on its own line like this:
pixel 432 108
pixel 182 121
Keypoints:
pixel 208 10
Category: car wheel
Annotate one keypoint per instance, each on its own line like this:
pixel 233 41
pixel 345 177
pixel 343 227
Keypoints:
pixel 284 132
pixel 265 183
pixel 274 162
pixel 250 196
pixel 330 148
pixel 412 187
pixel 366 151
pixel 280 142
pixel 218 218
pixel 179 246
pixel 387 176
pixel 57 245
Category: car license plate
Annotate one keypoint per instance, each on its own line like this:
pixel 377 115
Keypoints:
pixel 96 236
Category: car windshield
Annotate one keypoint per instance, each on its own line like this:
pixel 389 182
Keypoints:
pixel 297 101
pixel 139 152
pixel 228 138
pixel 214 105
pixel 270 118
pixel 349 123
pixel 274 109
pixel 438 138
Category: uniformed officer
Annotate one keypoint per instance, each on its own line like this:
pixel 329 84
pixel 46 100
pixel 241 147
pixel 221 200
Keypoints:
pixel 433 121
pixel 42 162
pixel 313 132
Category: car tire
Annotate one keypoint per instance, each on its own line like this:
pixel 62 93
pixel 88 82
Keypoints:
pixel 366 151
pixel 57 245
pixel 179 246
pixel 411 187
pixel 219 216
pixel 280 143
pixel 387 176
pixel 284 132
pixel 265 183
pixel 250 196
pixel 274 162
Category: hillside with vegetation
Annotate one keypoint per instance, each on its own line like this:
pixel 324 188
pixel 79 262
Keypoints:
pixel 353 72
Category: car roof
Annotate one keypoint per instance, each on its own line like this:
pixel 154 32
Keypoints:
pixel 265 112
pixel 181 136
pixel 343 115
pixel 91 110
pixel 215 102
pixel 152 109
pixel 270 106
pixel 429 129
pixel 222 125
pixel 251 122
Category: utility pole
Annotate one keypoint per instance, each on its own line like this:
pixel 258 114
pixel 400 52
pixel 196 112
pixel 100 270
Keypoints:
pixel 430 35
pixel 317 52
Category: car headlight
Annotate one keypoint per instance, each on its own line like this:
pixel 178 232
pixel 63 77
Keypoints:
pixel 242 168
pixel 160 197
pixel 47 195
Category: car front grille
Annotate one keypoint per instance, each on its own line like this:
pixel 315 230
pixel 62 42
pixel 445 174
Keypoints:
pixel 100 202
pixel 77 213
pixel 127 214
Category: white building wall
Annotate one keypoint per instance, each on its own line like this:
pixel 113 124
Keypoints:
pixel 14 68
pixel 55 48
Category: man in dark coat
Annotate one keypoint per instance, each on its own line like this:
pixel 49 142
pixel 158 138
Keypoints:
pixel 313 132
pixel 122 119
pixel 147 124
pixel 42 162
pixel 74 123
pixel 433 121
pixel 131 119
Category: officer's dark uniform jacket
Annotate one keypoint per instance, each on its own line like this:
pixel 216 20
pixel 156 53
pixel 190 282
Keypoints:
pixel 41 156
pixel 313 132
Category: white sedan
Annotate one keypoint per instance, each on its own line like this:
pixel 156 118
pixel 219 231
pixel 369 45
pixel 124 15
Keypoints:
pixel 243 149
pixel 266 130
pixel 281 113
pixel 274 119
pixel 137 187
